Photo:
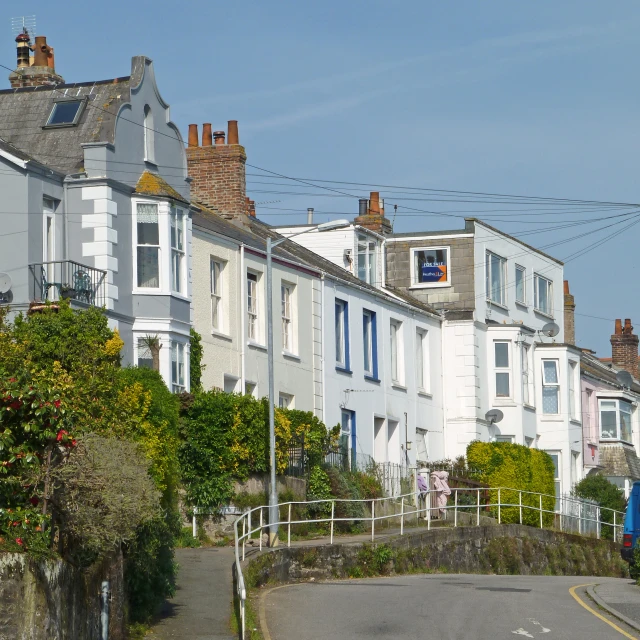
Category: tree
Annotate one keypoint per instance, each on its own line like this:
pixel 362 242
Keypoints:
pixel 607 495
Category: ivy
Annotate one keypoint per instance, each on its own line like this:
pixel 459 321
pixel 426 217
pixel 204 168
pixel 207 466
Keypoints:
pixel 196 367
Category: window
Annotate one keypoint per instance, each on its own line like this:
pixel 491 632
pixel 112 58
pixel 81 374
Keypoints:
pixel 527 376
pixel 615 420
pixel 250 388
pixel 342 334
pixel 555 457
pixel 285 401
pixel 230 384
pixel 573 400
pixel 495 273
pixel 542 295
pixel 422 360
pixel 65 113
pixel 149 141
pixel 521 290
pixel 252 306
pixel 367 259
pixel 421 445
pixel 286 292
pixel 397 373
pixel 177 219
pixel 503 372
pixel 148 246
pixel 217 311
pixel 145 358
pixel 370 343
pixel 505 439
pixel 550 387
pixel 177 367
pixel 430 267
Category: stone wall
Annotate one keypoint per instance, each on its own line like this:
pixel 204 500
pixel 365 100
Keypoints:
pixel 51 600
pixel 506 549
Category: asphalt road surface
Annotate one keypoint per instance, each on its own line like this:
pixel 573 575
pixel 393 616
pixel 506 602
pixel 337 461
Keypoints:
pixel 442 606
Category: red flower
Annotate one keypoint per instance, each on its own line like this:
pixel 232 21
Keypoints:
pixel 74 442
pixel 16 523
pixel 61 434
pixel 57 403
pixel 16 405
pixel 34 501
pixel 19 541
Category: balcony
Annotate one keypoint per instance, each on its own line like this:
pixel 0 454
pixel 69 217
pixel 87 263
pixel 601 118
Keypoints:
pixel 66 279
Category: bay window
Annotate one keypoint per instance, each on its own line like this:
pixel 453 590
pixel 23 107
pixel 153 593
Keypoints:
pixel 542 294
pixel 502 369
pixel 422 359
pixel 615 420
pixel 148 245
pixel 495 278
pixel 527 376
pixel 396 352
pixel 574 400
pixel 550 387
pixel 178 367
pixel 177 221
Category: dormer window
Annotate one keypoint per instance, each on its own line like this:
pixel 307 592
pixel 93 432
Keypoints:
pixel 66 112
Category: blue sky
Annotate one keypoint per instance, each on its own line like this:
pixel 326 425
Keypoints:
pixel 538 99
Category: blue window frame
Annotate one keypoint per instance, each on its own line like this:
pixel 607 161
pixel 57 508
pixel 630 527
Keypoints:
pixel 342 335
pixel 370 344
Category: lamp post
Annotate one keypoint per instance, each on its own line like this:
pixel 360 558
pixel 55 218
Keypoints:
pixel 273 493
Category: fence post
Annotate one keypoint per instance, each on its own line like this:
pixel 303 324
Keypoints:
pixel 598 527
pixel 373 519
pixel 289 528
pixel 520 501
pixel 402 517
pixel 580 511
pixel 428 506
pixel 333 511
pixel 614 526
pixel 195 524
pixel 260 528
pixel 499 508
pixel 478 518
pixel 243 532
pixel 455 509
pixel 541 511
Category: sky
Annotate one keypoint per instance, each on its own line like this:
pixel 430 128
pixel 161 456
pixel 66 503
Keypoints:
pixel 533 99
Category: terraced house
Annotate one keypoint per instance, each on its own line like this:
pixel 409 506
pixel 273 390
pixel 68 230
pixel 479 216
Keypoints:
pixel 95 204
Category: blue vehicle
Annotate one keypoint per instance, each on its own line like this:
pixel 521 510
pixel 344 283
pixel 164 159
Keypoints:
pixel 631 531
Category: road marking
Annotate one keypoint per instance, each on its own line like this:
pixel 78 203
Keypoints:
pixel 262 612
pixel 542 629
pixel 572 591
pixel 522 632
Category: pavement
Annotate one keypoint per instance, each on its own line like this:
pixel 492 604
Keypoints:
pixel 202 606
pixel 621 599
pixel 445 606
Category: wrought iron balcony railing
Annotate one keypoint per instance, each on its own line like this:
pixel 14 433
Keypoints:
pixel 62 279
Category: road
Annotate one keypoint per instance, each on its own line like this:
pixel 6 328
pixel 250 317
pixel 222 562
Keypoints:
pixel 442 606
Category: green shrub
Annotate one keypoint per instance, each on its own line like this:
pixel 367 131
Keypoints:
pixel 607 495
pixel 503 464
pixel 185 539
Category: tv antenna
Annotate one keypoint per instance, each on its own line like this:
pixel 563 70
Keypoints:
pixel 551 330
pixel 24 24
pixel 493 416
pixel 624 378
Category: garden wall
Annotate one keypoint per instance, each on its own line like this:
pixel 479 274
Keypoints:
pixel 51 600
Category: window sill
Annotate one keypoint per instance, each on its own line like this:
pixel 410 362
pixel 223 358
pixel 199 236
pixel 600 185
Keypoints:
pixel 544 313
pixel 499 305
pixel 504 402
pixel 529 406
pixel 256 345
pixel 615 441
pixel 340 369
pixel 575 421
pixel 551 417
pixel 524 305
pixel 435 285
pixel 398 386
pixel 291 356
pixel 371 378
pixel 221 334
pixel 424 393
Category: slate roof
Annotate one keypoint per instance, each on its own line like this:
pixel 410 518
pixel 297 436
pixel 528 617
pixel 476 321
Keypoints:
pixel 24 112
pixel 151 184
pixel 590 365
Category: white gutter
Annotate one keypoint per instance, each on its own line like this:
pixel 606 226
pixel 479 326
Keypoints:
pixel 324 367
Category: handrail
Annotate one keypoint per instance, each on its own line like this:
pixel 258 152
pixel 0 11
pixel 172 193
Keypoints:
pixel 247 531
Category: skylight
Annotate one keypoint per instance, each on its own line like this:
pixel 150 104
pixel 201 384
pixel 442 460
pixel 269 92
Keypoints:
pixel 65 113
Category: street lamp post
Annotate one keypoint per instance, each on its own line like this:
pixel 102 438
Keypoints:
pixel 273 492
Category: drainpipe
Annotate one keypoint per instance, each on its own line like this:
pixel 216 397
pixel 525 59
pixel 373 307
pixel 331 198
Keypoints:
pixel 243 284
pixel 65 219
pixel 383 260
pixel 104 611
pixel 324 349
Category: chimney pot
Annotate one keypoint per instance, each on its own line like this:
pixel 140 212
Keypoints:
pixel 374 203
pixel 193 135
pixel 206 135
pixel 233 137
pixel 310 215
pixel 618 330
pixel 218 136
pixel 566 287
pixel 362 206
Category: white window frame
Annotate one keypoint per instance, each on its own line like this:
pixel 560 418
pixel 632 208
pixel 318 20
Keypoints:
pixel 502 266
pixel 396 343
pixel 537 280
pixel 617 409
pixel 340 326
pixel 528 387
pixel 216 282
pixel 547 384
pixel 286 401
pixel 177 244
pixel 523 274
pixel 143 353
pixel 178 366
pixel 288 316
pixel 422 450
pixel 502 370
pixel 367 341
pixel 367 248
pixel 429 285
pixel 423 373
pixel 138 288
pixel 557 477
pixel 253 306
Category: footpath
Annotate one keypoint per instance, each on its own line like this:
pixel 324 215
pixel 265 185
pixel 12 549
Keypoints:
pixel 620 599
pixel 201 608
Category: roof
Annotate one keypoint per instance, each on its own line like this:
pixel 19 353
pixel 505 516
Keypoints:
pixel 151 184
pixel 591 365
pixel 24 112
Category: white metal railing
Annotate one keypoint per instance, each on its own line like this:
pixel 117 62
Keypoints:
pixel 582 515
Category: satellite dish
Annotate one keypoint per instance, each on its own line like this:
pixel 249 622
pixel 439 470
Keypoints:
pixel 5 282
pixel 493 416
pixel 551 330
pixel 624 378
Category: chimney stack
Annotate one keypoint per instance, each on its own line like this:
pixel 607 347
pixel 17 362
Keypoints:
pixel 37 70
pixel 218 171
pixel 373 216
pixel 624 348
pixel 569 315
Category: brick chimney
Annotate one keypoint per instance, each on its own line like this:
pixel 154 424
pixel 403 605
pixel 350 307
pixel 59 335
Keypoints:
pixel 569 316
pixel 624 348
pixel 34 70
pixel 372 215
pixel 218 170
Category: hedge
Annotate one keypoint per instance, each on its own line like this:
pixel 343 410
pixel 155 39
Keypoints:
pixel 503 464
